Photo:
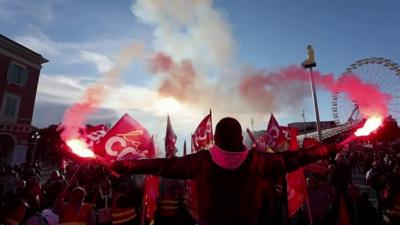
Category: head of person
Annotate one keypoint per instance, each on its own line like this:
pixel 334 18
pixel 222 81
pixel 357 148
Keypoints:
pixel 77 196
pixel 228 135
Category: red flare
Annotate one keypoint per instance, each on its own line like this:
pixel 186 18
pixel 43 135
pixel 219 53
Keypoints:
pixel 80 148
pixel 370 125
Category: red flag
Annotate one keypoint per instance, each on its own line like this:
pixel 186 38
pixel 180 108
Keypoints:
pixel 170 140
pixel 274 135
pixel 127 139
pixel 93 134
pixel 150 190
pixel 203 136
pixel 296 186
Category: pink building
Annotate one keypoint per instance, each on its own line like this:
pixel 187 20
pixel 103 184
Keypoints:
pixel 19 75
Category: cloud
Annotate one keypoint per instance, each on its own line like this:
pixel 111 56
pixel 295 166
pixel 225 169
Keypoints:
pixel 102 62
pixel 39 10
pixel 125 98
pixel 188 29
pixel 46 46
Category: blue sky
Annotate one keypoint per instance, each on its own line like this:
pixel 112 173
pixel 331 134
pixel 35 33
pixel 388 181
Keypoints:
pixel 83 38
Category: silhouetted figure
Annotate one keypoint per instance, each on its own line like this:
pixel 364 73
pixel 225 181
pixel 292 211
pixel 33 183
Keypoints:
pixel 228 176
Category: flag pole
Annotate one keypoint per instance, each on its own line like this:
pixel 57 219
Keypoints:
pixel 308 206
pixel 184 148
pixel 144 203
pixel 212 133
pixel 253 139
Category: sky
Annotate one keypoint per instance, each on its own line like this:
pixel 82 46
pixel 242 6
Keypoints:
pixel 219 41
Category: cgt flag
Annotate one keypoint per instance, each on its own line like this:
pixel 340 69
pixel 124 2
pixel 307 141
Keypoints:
pixel 203 135
pixel 93 134
pixel 127 139
pixel 274 135
pixel 170 140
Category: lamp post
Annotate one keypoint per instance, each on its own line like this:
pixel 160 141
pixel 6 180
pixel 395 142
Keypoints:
pixel 35 139
pixel 309 64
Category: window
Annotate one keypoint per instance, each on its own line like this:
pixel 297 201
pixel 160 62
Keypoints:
pixel 10 106
pixel 17 74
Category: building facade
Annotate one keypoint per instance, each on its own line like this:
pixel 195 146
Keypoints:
pixel 19 75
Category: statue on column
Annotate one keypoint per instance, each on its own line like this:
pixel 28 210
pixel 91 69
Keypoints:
pixel 310 62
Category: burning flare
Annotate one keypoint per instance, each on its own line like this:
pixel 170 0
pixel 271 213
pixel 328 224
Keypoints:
pixel 79 148
pixel 370 125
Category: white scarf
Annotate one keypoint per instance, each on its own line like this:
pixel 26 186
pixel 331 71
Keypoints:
pixel 227 160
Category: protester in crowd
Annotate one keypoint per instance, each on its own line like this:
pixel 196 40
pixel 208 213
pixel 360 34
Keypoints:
pixel 75 211
pixel 104 203
pixel 123 209
pixel 33 196
pixel 169 202
pixel 13 212
pixel 228 175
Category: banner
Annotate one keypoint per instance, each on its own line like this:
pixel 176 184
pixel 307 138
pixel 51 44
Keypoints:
pixel 127 139
pixel 203 135
pixel 170 140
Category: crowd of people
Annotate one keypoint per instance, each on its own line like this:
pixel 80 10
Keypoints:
pixel 89 193
pixel 82 194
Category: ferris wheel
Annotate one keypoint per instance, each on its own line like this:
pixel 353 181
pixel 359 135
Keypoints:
pixel 384 73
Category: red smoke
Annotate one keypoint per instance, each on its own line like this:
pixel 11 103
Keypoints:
pixel 178 79
pixel 76 115
pixel 256 88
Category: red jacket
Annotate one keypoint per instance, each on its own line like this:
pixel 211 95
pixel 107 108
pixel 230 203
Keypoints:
pixel 227 197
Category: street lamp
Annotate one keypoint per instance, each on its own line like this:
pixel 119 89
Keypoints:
pixel 35 139
pixel 309 64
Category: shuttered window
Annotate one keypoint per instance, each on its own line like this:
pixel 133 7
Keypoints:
pixel 17 74
pixel 10 106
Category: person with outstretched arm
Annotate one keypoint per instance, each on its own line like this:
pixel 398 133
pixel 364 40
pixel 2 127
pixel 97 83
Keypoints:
pixel 227 176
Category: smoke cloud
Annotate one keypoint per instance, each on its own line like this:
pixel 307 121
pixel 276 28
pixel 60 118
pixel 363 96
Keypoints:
pixel 188 29
pixel 256 88
pixel 77 114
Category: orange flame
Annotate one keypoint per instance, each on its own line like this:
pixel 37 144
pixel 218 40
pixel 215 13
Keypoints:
pixel 79 148
pixel 370 125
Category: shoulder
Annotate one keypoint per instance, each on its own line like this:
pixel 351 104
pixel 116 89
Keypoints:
pixel 200 154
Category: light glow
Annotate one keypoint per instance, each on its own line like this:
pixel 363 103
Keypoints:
pixel 169 104
pixel 370 125
pixel 80 148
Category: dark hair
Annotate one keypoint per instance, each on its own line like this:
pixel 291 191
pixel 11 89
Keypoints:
pixel 228 135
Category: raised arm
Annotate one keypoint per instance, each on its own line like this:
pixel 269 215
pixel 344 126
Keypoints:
pixel 281 163
pixel 177 167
